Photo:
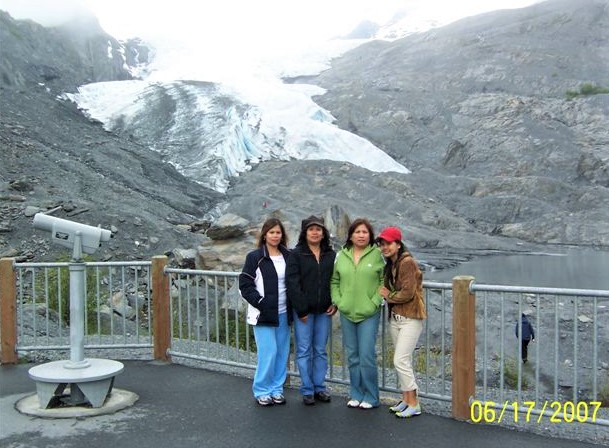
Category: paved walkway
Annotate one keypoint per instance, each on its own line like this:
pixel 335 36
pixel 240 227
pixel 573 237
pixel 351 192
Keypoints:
pixel 182 407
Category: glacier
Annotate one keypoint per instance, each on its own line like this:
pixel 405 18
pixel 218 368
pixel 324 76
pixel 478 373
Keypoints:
pixel 215 105
pixel 214 112
pixel 213 121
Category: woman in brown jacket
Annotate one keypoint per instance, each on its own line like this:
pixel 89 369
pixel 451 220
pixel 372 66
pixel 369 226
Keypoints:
pixel 403 291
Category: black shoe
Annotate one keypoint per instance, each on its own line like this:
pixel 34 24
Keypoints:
pixel 308 400
pixel 324 397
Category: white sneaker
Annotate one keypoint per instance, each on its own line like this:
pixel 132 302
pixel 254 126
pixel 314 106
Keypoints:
pixel 398 407
pixel 265 400
pixel 410 411
pixel 353 403
pixel 365 405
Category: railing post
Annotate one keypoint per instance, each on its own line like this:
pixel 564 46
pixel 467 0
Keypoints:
pixel 161 315
pixel 8 311
pixel 464 347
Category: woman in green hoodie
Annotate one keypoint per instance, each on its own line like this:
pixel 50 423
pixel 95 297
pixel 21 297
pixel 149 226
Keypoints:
pixel 357 276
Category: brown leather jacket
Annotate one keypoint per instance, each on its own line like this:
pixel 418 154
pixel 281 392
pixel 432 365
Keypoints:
pixel 406 286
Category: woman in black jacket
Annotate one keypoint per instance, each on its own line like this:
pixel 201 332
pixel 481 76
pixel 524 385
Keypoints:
pixel 308 274
pixel 262 285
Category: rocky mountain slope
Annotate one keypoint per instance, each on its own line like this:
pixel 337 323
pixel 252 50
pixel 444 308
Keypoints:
pixel 478 110
pixel 483 112
pixel 54 158
pixel 483 105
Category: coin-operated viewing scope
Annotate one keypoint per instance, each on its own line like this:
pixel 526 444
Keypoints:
pixel 63 232
pixel 90 379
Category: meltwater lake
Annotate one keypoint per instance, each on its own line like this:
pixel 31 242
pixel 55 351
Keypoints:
pixel 579 268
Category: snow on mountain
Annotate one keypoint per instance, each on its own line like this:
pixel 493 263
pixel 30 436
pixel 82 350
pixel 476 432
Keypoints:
pixel 422 16
pixel 215 117
pixel 398 28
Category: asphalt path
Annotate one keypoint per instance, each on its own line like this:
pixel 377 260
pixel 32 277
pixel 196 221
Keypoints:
pixel 184 407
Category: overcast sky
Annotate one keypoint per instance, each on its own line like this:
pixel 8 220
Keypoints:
pixel 259 21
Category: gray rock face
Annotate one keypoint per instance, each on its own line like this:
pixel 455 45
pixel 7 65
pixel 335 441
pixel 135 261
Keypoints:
pixel 227 226
pixel 482 105
pixel 61 57
pixel 337 221
pixel 478 110
pixel 55 159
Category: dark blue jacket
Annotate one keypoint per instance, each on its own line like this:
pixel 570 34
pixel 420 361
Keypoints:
pixel 258 285
pixel 308 281
pixel 527 329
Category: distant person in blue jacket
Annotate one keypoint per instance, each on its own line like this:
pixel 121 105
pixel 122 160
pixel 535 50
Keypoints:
pixel 528 334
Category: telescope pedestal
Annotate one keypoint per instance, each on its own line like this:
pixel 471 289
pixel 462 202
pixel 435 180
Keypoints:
pixel 90 382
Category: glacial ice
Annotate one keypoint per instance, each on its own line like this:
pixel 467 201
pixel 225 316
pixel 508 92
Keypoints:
pixel 211 131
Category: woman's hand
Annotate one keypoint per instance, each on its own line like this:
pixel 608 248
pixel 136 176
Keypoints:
pixel 384 292
pixel 331 311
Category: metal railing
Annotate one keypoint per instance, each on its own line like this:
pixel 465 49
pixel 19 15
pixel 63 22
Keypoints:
pixel 200 315
pixel 503 377
pixel 208 317
pixel 117 306
pixel 567 364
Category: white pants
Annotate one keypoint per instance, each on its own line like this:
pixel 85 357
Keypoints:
pixel 405 334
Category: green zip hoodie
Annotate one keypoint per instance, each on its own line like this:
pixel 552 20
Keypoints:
pixel 355 288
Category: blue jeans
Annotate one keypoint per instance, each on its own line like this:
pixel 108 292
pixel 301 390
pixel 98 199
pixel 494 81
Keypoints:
pixel 311 355
pixel 359 340
pixel 273 345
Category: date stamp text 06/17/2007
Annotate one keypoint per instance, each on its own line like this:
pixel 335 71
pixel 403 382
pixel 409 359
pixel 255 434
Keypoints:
pixel 551 411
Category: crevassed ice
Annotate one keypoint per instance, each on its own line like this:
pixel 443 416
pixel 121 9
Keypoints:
pixel 218 130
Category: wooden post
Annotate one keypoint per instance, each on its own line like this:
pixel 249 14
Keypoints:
pixel 8 311
pixel 464 347
pixel 161 316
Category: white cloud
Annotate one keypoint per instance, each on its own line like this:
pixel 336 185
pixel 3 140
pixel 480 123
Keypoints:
pixel 261 19
pixel 45 12
pixel 242 23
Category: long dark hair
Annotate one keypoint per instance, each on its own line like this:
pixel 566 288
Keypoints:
pixel 268 225
pixel 389 263
pixel 354 225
